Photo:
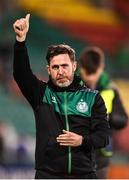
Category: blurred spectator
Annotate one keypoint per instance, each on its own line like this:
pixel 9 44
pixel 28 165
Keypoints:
pixel 5 52
pixel 25 150
pixel 9 138
pixel 14 148
pixel 92 62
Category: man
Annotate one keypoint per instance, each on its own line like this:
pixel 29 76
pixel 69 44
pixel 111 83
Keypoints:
pixel 92 72
pixel 71 120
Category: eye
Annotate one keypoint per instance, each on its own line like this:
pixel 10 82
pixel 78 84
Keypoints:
pixel 55 67
pixel 65 65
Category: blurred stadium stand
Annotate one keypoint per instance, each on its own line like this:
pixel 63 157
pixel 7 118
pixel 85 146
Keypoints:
pixel 82 20
pixel 17 113
pixel 78 23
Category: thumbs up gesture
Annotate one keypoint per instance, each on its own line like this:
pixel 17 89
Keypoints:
pixel 21 27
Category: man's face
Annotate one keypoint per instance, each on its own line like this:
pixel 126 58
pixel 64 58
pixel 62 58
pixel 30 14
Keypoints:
pixel 93 78
pixel 61 70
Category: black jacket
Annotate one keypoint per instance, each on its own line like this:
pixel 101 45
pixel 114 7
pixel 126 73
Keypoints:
pixel 74 108
pixel 118 117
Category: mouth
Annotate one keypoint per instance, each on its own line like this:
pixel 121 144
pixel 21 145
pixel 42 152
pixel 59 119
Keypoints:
pixel 62 79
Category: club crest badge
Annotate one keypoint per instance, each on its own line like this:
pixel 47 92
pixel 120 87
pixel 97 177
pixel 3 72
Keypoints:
pixel 82 106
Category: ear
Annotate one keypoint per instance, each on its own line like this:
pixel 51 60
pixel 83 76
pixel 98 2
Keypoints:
pixel 48 69
pixel 101 68
pixel 75 66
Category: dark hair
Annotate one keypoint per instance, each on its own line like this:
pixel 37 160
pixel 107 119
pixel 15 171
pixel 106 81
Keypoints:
pixel 55 50
pixel 91 59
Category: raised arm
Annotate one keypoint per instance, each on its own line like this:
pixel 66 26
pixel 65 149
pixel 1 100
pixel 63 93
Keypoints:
pixel 29 85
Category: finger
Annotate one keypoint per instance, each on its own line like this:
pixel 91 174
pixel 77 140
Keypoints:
pixel 65 140
pixel 23 24
pixel 68 132
pixel 16 25
pixel 63 136
pixel 66 144
pixel 17 28
pixel 20 24
pixel 64 131
pixel 28 17
pixel 18 32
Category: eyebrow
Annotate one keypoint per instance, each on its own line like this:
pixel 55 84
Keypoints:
pixel 57 66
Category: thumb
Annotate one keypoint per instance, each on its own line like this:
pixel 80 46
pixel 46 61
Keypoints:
pixel 28 17
pixel 65 132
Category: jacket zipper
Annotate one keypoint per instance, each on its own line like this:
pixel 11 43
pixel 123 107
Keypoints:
pixel 67 128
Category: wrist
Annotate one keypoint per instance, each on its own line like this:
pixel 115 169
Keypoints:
pixel 20 39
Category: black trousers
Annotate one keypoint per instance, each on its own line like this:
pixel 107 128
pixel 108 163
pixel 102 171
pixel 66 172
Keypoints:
pixel 46 175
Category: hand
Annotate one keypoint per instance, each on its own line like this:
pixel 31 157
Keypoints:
pixel 69 139
pixel 21 27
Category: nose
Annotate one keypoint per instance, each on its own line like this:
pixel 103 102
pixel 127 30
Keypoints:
pixel 60 70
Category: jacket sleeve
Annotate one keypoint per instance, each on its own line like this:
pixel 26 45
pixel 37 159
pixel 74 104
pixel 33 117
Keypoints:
pixel 99 128
pixel 118 118
pixel 29 85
